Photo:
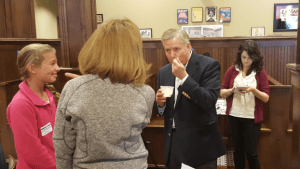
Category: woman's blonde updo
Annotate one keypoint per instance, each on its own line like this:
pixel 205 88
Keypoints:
pixel 33 54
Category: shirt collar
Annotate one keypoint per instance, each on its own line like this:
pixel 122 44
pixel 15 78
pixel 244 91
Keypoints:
pixel 33 97
pixel 237 69
pixel 189 59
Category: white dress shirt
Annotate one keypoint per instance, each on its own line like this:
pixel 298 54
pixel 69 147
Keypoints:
pixel 243 104
pixel 178 83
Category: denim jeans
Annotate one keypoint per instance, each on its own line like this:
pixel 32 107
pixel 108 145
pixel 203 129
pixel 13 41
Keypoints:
pixel 245 135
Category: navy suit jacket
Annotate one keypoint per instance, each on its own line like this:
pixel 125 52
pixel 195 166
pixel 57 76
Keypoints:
pixel 195 112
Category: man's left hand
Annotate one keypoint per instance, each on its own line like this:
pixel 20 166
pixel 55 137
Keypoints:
pixel 178 69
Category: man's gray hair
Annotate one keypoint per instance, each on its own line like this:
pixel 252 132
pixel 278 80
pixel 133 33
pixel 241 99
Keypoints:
pixel 172 33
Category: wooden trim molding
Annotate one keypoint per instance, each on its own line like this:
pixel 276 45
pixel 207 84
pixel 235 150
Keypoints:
pixel 20 19
pixel 224 39
pixel 63 33
pixel 293 66
pixel 272 80
pixel 94 14
pixel 32 16
pixel 77 22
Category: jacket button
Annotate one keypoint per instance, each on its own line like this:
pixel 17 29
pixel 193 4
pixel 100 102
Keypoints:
pixel 170 119
pixel 169 134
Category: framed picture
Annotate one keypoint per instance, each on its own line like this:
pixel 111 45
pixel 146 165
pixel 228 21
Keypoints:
pixel 197 14
pixel 225 14
pixel 211 14
pixel 146 32
pixel 285 17
pixel 257 31
pixel 99 18
pixel 204 31
pixel 182 16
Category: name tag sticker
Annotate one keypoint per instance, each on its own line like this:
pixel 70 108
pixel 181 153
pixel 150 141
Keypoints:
pixel 46 129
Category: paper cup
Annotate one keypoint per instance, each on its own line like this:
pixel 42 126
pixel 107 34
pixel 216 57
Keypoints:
pixel 167 90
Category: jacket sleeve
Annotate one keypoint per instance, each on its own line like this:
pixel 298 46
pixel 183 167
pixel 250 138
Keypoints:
pixel 23 123
pixel 64 135
pixel 227 78
pixel 264 82
pixel 205 95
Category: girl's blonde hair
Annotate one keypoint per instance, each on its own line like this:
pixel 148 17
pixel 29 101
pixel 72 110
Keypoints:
pixel 115 51
pixel 33 54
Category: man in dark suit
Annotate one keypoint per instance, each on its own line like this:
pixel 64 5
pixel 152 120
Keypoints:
pixel 192 136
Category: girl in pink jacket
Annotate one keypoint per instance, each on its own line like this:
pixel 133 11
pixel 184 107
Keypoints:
pixel 31 113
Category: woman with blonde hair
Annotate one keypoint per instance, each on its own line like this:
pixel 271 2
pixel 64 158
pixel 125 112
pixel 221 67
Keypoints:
pixel 31 113
pixel 101 114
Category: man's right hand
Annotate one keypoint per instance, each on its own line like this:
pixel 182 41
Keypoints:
pixel 160 99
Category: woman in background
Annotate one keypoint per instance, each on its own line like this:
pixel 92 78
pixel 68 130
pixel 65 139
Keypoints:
pixel 101 114
pixel 31 113
pixel 245 107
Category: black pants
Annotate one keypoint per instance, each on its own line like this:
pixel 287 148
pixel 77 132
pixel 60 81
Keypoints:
pixel 175 163
pixel 245 135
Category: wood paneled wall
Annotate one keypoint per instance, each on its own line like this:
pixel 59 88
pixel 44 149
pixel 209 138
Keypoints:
pixel 275 142
pixel 17 19
pixel 277 53
pixel 8 55
pixel 77 22
pixel 7 92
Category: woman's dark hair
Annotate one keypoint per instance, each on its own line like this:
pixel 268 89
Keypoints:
pixel 251 48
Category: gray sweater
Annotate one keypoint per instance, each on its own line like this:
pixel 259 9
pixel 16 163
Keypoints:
pixel 98 124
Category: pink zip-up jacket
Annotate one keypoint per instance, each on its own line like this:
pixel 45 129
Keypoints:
pixel 32 122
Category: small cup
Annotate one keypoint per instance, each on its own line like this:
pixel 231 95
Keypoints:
pixel 167 90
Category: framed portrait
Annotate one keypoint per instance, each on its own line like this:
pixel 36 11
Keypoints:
pixel 225 14
pixel 197 14
pixel 197 31
pixel 146 32
pixel 285 17
pixel 257 31
pixel 99 18
pixel 182 16
pixel 211 14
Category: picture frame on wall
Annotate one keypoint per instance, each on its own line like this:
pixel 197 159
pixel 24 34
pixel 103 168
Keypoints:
pixel 225 14
pixel 146 32
pixel 197 14
pixel 257 31
pixel 182 16
pixel 99 18
pixel 197 31
pixel 211 14
pixel 285 17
